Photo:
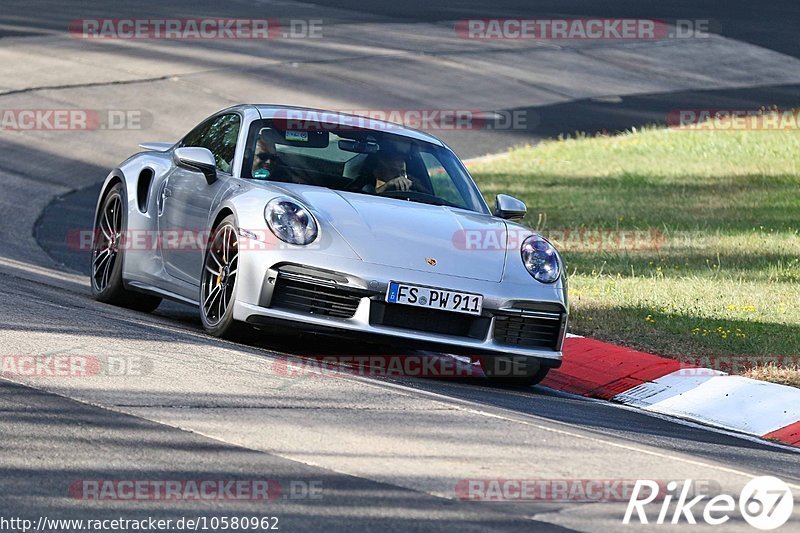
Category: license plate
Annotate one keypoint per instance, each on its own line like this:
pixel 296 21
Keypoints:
pixel 430 298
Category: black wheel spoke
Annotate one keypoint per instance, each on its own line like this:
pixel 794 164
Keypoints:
pixel 108 222
pixel 210 299
pixel 213 255
pixel 220 304
pixel 118 212
pixel 107 232
pixel 107 272
pixel 101 258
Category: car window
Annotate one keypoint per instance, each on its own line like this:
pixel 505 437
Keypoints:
pixel 360 160
pixel 441 182
pixel 219 136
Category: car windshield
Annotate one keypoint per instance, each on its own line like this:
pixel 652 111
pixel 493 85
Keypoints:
pixel 362 161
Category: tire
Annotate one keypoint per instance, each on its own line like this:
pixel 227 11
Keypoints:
pixel 218 281
pixel 107 258
pixel 513 372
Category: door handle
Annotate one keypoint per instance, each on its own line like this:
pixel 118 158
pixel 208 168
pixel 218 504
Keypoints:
pixel 164 194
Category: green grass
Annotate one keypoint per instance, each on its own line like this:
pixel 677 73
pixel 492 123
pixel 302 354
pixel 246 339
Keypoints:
pixel 722 278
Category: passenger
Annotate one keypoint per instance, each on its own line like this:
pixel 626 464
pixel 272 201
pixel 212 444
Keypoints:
pixel 266 162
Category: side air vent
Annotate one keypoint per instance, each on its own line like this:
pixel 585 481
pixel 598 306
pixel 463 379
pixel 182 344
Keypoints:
pixel 143 189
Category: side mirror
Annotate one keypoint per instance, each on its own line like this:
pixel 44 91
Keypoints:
pixel 199 160
pixel 508 207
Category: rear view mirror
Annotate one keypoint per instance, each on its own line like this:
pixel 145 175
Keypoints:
pixel 197 159
pixel 509 207
pixel 359 147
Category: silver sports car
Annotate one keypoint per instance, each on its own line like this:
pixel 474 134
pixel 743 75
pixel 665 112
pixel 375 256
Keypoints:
pixel 320 221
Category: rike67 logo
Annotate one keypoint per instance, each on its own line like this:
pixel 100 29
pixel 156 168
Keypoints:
pixel 766 503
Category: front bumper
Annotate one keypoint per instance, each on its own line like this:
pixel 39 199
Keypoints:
pixel 527 321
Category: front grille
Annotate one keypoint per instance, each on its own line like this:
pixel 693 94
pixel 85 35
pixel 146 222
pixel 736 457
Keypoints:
pixel 528 331
pixel 314 298
pixel 428 320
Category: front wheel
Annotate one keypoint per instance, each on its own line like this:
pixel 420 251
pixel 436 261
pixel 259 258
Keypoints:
pixel 218 281
pixel 513 371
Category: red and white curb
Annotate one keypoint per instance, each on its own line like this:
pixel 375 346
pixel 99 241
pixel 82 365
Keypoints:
pixel 666 386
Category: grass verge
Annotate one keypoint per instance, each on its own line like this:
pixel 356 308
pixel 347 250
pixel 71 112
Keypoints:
pixel 681 243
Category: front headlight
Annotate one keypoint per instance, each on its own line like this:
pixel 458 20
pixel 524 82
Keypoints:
pixel 290 221
pixel 541 259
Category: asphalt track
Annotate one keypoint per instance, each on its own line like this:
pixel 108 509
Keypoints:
pixel 388 452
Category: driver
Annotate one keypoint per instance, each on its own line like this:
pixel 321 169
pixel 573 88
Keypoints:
pixel 391 175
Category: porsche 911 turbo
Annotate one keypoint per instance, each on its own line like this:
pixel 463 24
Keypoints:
pixel 320 221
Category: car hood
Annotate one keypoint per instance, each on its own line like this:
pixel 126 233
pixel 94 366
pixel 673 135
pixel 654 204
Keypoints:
pixel 411 235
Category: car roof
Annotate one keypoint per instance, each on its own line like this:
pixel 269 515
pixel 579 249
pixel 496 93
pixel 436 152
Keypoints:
pixel 309 114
